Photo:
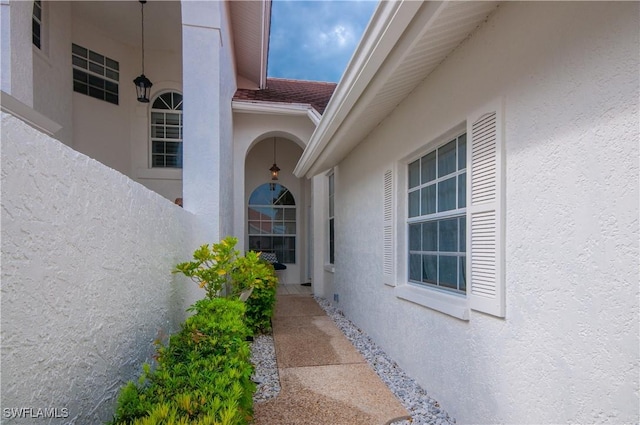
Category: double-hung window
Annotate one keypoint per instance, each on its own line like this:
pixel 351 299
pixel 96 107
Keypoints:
pixel 437 194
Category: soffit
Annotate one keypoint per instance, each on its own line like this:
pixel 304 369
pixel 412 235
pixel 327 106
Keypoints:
pixel 434 33
pixel 120 20
pixel 250 26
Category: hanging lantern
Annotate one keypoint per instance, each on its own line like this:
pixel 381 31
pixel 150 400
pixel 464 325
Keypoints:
pixel 274 168
pixel 143 85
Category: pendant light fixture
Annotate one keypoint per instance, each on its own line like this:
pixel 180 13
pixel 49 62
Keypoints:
pixel 274 168
pixel 143 85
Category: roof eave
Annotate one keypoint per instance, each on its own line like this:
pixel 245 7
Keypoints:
pixel 387 25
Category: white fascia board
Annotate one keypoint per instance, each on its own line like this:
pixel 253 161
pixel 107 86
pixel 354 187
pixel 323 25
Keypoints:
pixel 275 108
pixel 266 28
pixel 387 25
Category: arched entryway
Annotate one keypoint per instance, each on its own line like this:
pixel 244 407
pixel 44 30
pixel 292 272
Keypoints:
pixel 277 211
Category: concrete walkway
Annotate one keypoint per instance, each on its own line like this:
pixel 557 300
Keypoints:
pixel 324 380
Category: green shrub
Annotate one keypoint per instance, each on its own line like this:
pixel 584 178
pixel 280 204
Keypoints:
pixel 223 272
pixel 203 375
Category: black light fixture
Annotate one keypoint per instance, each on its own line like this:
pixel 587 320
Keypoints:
pixel 143 85
pixel 274 168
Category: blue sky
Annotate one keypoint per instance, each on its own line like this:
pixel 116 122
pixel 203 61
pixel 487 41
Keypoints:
pixel 314 40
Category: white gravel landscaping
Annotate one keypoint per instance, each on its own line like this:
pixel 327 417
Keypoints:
pixel 422 408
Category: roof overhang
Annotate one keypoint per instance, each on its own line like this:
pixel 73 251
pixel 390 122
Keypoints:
pixel 276 108
pixel 403 43
pixel 251 23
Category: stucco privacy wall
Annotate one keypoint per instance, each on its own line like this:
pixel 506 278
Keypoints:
pixel 567 351
pixel 86 282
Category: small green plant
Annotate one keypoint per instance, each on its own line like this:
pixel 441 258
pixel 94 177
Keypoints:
pixel 203 375
pixel 221 271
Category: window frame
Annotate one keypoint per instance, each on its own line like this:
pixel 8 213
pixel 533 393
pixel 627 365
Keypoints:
pixel 106 77
pixel 330 258
pixel 164 140
pixel 454 304
pixel 283 235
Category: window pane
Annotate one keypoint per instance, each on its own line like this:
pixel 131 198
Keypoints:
pixel 80 87
pixel 463 233
pixel 447 195
pixel 173 119
pixel 415 267
pixel 111 87
pixel 112 64
pixel 289 213
pixel 462 190
pixel 96 57
pixel 447 159
pixel 157 160
pixel 462 152
pixel 172 133
pixel 331 242
pixel 157 131
pixel 96 68
pixel 414 237
pixel 157 147
pixel 112 74
pixel 254 227
pixel 171 161
pixel 80 76
pixel 79 62
pixel 157 118
pixel 428 167
pixel 428 199
pixel 448 271
pixel 448 235
pixel 111 98
pixel 77 50
pixel 172 147
pixel 429 268
pixel 414 203
pixel 96 81
pixel 37 10
pixel 462 279
pixel 97 93
pixel 290 228
pixel 414 174
pixel 430 236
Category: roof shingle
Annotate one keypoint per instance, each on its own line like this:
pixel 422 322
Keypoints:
pixel 281 90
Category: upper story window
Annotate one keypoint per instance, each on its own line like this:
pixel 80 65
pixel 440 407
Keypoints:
pixel 437 197
pixel 272 222
pixel 331 223
pixel 94 74
pixel 166 131
pixel 36 24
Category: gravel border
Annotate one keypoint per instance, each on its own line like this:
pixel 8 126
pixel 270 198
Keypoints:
pixel 423 409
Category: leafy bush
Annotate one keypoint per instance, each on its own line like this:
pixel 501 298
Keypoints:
pixel 203 375
pixel 221 270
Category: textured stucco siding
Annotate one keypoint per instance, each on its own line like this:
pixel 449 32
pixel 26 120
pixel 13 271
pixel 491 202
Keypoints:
pixel 567 351
pixel 86 282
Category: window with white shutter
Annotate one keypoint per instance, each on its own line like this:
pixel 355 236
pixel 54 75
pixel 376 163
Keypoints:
pixel 455 220
pixel 388 239
pixel 485 211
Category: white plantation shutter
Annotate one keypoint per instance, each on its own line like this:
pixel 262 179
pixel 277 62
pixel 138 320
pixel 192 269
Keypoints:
pixel 485 211
pixel 388 240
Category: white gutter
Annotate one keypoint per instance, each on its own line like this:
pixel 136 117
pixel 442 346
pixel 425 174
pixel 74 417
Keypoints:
pixel 387 25
pixel 276 108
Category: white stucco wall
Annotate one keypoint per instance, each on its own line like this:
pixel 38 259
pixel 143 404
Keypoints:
pixel 567 351
pixel 21 52
pixel 86 283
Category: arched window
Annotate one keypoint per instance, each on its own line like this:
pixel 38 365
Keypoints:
pixel 166 131
pixel 272 222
